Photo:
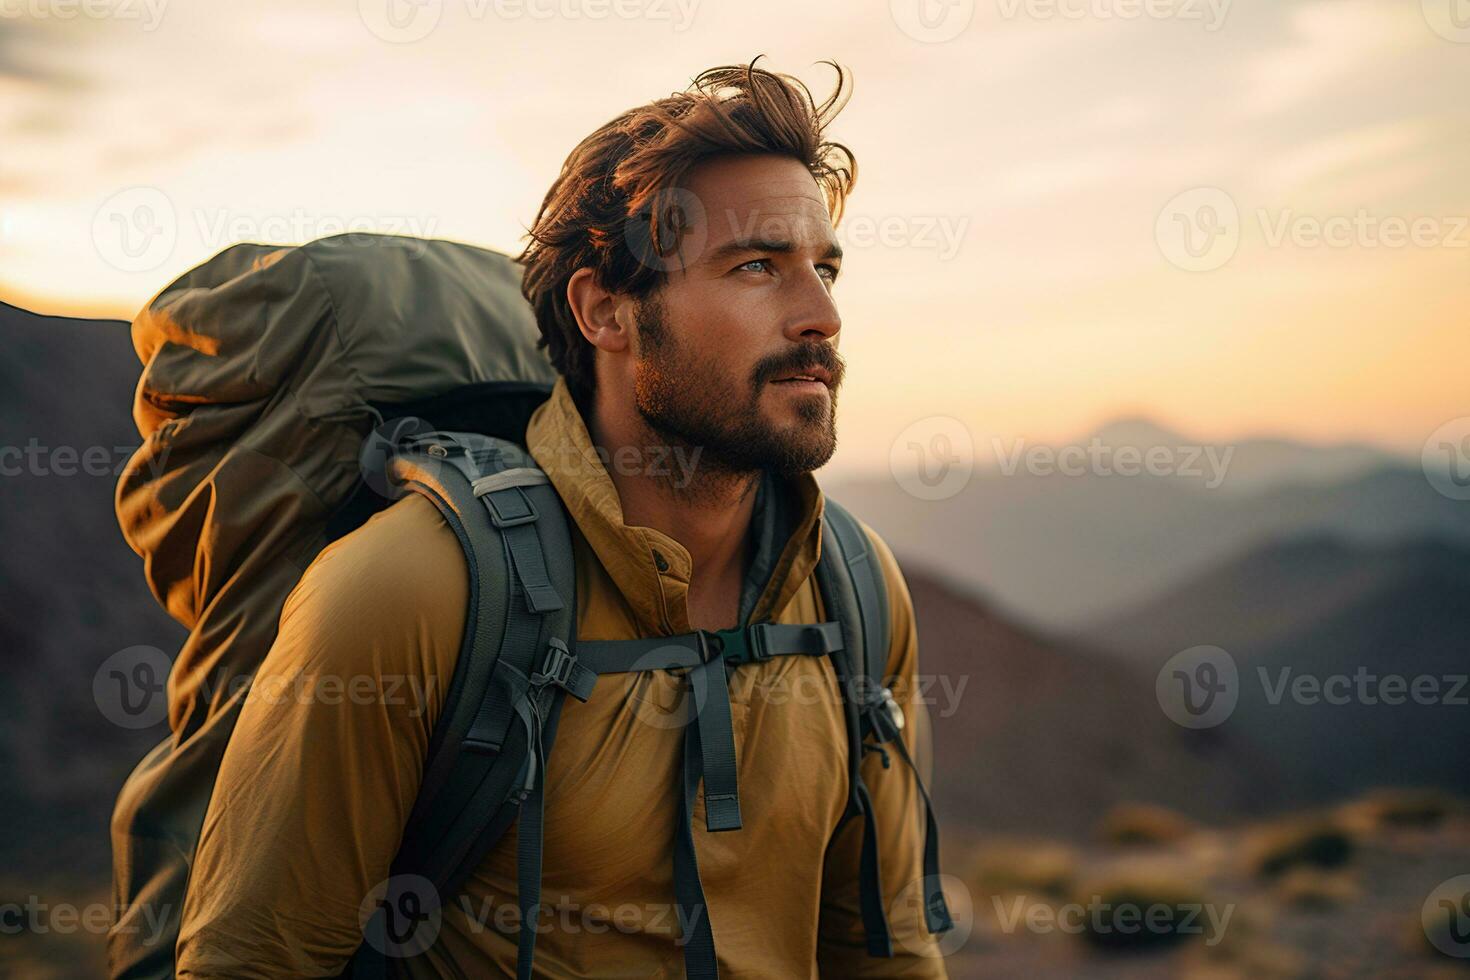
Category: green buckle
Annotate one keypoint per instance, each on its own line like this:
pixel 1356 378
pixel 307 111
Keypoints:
pixel 737 645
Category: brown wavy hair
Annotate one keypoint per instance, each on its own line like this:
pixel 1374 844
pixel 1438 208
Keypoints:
pixel 600 212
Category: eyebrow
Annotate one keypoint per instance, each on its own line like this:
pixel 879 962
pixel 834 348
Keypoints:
pixel 742 245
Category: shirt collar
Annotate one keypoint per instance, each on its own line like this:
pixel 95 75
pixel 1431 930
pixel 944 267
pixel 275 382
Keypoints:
pixel 649 568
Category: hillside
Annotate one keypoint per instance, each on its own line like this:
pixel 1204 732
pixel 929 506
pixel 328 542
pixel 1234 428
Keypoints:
pixel 1315 609
pixel 1047 738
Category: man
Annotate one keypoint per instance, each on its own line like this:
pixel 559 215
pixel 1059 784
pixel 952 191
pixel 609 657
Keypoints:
pixel 706 336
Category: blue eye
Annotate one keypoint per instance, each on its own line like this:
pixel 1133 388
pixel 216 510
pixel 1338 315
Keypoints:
pixel 753 262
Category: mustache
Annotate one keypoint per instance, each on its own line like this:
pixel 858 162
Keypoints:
pixel 801 360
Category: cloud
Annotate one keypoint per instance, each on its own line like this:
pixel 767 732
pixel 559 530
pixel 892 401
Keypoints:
pixel 1333 40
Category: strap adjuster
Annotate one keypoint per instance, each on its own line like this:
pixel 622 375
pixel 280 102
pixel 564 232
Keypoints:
pixel 884 716
pixel 510 507
pixel 561 668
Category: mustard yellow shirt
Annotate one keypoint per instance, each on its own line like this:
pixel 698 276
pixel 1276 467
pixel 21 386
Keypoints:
pixel 325 763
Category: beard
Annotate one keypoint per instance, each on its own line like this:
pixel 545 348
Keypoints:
pixel 691 401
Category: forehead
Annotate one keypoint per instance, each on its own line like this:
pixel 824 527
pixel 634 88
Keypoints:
pixel 749 196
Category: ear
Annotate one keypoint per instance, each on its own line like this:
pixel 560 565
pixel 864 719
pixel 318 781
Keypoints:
pixel 604 318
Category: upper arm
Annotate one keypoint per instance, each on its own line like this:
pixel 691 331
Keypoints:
pixel 324 763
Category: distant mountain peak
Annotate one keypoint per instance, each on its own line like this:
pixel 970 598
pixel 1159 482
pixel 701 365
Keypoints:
pixel 1137 430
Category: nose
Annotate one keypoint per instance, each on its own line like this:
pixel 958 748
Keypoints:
pixel 814 315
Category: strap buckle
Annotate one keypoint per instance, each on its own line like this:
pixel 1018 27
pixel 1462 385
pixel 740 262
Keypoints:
pixel 561 668
pixel 738 645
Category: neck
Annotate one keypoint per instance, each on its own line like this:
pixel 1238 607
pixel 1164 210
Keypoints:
pixel 668 485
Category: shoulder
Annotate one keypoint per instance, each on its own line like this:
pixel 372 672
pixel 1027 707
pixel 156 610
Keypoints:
pixel 391 595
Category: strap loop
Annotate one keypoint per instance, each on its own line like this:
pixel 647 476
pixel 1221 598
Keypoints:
pixel 561 668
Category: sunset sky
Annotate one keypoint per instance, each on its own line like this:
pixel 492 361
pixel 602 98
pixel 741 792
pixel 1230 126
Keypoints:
pixel 1041 235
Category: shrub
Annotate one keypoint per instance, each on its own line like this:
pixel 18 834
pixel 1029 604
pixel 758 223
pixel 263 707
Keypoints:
pixel 1143 824
pixel 1311 843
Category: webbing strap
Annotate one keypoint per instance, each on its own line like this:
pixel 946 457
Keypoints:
pixel 875 715
pixel 870 881
pixel 706 654
pixel 709 740
pixel 762 641
pixel 696 932
pixel 936 909
pixel 529 838
pixel 716 732
pixel 867 581
pixel 852 600
pixel 512 511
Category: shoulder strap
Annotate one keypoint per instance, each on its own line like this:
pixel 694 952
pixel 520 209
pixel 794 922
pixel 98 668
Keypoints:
pixel 856 595
pixel 488 751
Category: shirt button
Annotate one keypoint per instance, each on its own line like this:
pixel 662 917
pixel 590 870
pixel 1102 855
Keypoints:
pixel 658 559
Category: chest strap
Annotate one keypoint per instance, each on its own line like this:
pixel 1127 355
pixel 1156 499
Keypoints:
pixel 709 738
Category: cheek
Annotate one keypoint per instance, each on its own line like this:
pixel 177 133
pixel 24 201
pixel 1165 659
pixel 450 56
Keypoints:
pixel 724 336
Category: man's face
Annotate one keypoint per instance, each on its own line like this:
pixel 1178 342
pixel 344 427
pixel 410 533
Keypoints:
pixel 722 347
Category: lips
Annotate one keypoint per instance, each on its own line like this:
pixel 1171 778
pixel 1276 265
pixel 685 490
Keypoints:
pixel 809 375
